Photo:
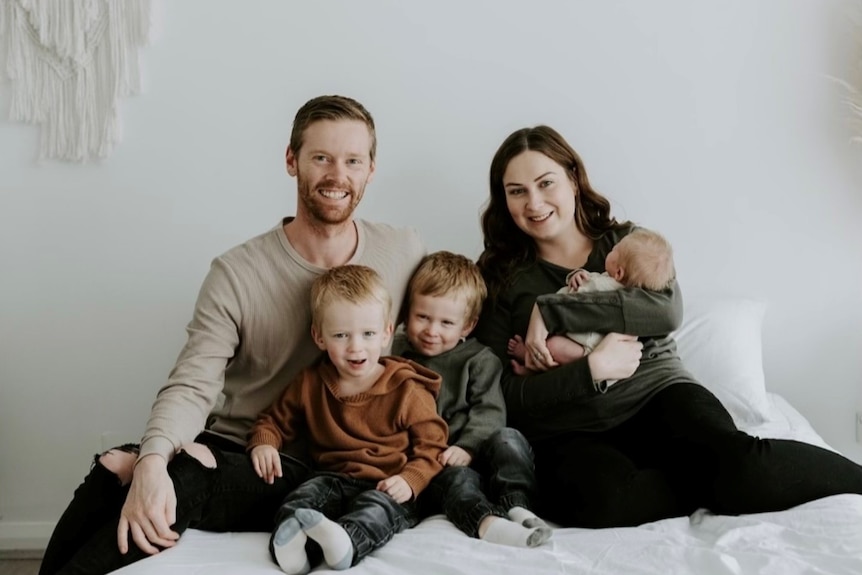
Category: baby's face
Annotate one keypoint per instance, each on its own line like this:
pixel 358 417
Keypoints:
pixel 435 324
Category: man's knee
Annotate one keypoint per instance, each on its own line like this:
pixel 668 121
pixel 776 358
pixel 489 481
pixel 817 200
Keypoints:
pixel 119 462
pixel 200 452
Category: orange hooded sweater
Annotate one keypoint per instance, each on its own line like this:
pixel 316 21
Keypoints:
pixel 391 429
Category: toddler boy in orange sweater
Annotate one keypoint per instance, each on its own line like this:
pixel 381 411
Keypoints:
pixel 372 427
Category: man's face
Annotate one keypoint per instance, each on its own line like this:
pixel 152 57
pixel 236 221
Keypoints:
pixel 332 169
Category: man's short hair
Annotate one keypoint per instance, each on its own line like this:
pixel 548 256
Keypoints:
pixel 330 108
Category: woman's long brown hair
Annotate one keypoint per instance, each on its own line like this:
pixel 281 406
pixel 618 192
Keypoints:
pixel 507 248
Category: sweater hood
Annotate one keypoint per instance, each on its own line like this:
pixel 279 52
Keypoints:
pixel 471 346
pixel 397 370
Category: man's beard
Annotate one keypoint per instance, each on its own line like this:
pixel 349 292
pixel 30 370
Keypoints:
pixel 320 209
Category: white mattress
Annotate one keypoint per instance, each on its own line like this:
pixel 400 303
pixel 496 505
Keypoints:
pixel 823 536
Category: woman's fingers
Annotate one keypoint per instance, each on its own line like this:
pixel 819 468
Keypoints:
pixel 539 359
pixel 616 357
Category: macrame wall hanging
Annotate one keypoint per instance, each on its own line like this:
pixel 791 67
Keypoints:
pixel 69 62
pixel 854 99
pixel 852 84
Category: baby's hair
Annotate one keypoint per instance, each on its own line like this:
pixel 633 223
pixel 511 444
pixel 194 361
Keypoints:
pixel 350 283
pixel 647 259
pixel 443 274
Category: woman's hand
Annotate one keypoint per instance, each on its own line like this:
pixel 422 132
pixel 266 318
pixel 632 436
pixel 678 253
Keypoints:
pixel 538 357
pixel 616 357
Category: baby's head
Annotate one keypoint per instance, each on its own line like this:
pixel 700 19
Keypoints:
pixel 444 299
pixel 351 317
pixel 643 259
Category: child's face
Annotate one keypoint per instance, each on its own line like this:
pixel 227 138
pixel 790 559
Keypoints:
pixel 354 336
pixel 435 324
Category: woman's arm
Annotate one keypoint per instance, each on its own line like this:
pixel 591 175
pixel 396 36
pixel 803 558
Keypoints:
pixel 632 311
pixel 530 400
pixel 536 401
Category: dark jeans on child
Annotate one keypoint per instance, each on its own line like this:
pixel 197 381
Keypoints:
pixel 680 452
pixel 500 477
pixel 370 517
pixel 229 497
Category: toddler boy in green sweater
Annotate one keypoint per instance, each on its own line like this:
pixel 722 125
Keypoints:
pixel 444 298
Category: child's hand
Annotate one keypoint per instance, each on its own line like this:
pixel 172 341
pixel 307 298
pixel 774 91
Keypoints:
pixel 455 455
pixel 577 279
pixel 267 463
pixel 395 487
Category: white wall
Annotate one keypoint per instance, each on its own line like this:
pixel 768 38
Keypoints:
pixel 711 121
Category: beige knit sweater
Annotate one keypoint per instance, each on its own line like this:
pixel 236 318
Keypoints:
pixel 250 333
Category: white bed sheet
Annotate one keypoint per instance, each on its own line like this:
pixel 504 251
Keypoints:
pixel 820 537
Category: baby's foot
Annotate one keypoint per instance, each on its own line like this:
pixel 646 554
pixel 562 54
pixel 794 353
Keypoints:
pixel 516 348
pixel 519 368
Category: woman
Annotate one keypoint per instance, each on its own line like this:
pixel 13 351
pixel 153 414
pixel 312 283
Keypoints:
pixel 654 445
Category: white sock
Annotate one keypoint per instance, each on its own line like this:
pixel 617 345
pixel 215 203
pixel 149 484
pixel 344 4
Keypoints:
pixel 288 546
pixel 507 532
pixel 527 518
pixel 332 538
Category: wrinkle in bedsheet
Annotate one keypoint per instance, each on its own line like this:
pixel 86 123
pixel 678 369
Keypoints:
pixel 819 537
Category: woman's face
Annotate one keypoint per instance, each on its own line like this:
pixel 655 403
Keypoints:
pixel 540 196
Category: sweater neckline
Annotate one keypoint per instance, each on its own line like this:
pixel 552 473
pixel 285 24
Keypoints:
pixel 295 255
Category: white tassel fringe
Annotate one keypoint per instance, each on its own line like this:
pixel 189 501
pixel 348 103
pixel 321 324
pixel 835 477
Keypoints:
pixel 69 61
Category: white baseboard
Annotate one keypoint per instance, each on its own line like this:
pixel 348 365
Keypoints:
pixel 25 534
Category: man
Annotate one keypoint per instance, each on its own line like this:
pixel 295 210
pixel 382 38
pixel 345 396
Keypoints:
pixel 248 338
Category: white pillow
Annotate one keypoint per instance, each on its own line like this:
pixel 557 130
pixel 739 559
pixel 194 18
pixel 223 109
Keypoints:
pixel 719 342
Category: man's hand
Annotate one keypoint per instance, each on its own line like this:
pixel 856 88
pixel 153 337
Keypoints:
pixel 455 455
pixel 395 487
pixel 267 463
pixel 150 508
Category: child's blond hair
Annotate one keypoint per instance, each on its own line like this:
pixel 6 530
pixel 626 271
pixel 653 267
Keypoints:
pixel 350 283
pixel 447 274
pixel 647 260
